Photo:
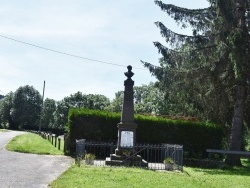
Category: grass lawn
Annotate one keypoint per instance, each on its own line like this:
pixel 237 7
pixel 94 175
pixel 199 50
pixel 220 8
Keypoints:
pixel 3 130
pixel 91 176
pixel 32 143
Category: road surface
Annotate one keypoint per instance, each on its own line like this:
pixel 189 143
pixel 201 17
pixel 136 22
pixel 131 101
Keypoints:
pixel 20 170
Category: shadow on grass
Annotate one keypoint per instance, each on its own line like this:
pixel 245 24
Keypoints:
pixel 228 170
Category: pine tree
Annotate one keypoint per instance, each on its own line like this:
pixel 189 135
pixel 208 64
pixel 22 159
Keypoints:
pixel 210 69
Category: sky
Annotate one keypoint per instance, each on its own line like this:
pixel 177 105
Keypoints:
pixel 116 33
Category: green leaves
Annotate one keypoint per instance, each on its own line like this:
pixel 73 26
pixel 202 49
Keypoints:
pixel 201 70
pixel 102 126
pixel 177 40
pixel 209 70
pixel 197 18
pixel 237 40
pixel 26 107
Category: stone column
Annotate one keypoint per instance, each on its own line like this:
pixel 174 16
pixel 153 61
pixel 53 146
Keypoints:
pixel 127 126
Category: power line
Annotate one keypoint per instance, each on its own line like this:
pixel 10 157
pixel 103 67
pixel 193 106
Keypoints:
pixel 3 92
pixel 64 53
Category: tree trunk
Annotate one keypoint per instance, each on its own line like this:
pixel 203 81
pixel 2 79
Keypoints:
pixel 237 121
pixel 236 130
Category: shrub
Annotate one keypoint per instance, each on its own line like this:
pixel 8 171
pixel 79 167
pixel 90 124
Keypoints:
pixel 94 125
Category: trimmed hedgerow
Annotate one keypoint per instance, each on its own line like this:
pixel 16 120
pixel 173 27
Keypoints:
pixel 98 125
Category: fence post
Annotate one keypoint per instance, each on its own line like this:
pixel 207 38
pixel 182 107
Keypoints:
pixel 55 140
pixel 59 142
pixel 52 139
pixel 111 148
pixel 80 150
pixel 147 152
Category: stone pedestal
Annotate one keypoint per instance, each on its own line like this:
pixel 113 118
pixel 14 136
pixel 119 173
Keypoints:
pixel 125 153
pixel 126 137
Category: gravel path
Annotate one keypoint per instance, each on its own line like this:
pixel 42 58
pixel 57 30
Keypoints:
pixel 19 170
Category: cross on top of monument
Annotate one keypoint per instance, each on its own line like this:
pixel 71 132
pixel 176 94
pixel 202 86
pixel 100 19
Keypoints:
pixel 129 74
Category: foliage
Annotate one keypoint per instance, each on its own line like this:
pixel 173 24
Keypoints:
pixel 91 176
pixel 6 105
pixel 60 115
pixel 3 130
pixel 148 99
pixel 22 109
pixel 195 137
pixel 77 100
pixel 102 126
pixel 49 107
pixel 168 160
pixel 1 96
pixel 184 74
pixel 116 104
pixel 32 143
pixel 91 125
pixel 89 156
pixel 26 109
pixel 90 101
pixel 208 72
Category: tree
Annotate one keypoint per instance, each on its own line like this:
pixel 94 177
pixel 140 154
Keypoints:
pixel 26 108
pixel 147 99
pixel 217 52
pixel 61 114
pixel 116 104
pixel 97 102
pixel 78 100
pixel 91 101
pixel 240 58
pixel 49 107
pixel 6 105
pixel 1 96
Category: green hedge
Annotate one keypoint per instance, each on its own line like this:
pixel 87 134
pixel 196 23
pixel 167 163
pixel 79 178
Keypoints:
pixel 102 126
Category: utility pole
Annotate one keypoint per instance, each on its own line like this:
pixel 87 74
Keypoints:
pixel 40 124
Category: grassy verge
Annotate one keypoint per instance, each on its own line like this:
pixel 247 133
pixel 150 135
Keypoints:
pixel 3 130
pixel 91 176
pixel 32 143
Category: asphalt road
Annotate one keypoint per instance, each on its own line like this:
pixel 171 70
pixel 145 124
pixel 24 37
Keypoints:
pixel 19 170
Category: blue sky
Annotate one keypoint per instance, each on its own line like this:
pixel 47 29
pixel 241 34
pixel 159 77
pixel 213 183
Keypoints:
pixel 114 31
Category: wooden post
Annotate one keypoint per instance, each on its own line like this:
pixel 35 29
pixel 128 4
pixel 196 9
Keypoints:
pixel 59 143
pixel 40 123
pixel 55 140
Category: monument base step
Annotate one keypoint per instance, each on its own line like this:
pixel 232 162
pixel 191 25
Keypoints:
pixel 122 158
pixel 136 161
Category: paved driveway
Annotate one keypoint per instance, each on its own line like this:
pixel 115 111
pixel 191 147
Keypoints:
pixel 20 170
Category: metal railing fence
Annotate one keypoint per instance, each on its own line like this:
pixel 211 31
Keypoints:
pixel 153 154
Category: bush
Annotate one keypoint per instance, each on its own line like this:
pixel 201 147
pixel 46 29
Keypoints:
pixel 102 126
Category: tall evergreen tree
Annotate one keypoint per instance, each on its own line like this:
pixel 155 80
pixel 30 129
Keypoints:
pixel 1 96
pixel 210 69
